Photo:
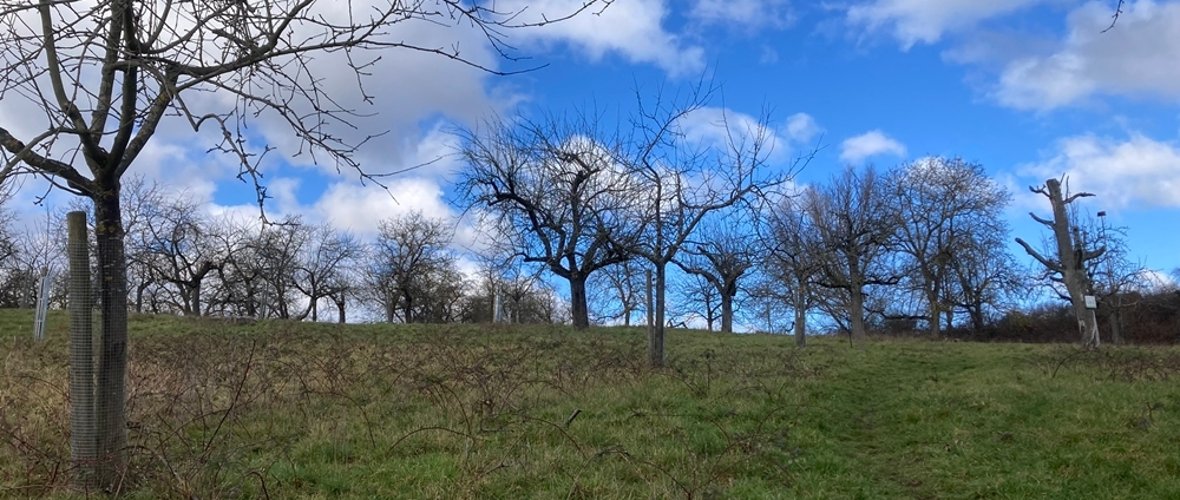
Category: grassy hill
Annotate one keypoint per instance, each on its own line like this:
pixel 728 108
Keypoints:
pixel 274 409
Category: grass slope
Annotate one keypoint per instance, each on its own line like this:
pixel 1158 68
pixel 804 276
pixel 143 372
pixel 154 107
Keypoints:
pixel 275 409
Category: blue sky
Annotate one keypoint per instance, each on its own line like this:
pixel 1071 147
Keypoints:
pixel 1031 89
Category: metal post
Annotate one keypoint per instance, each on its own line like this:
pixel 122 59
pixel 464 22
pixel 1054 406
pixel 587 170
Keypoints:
pixel 83 432
pixel 42 305
pixel 496 309
pixel 651 323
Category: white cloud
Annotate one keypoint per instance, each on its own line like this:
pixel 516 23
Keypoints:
pixel 715 126
pixel 356 208
pixel 802 127
pixel 856 149
pixel 925 21
pixel 633 29
pixel 750 16
pixel 1138 57
pixel 1138 171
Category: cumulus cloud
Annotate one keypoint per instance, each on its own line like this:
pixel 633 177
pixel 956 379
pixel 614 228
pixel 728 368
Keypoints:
pixel 1137 171
pixel 856 149
pixel 357 208
pixel 1135 58
pixel 633 29
pixel 926 21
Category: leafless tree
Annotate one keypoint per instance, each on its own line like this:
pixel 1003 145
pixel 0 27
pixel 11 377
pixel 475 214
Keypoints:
pixel 682 179
pixel 239 287
pixel 37 254
pixel 524 298
pixel 257 267
pixel 793 259
pixel 1115 279
pixel 942 206
pixel 721 254
pixel 557 185
pixel 984 279
pixel 856 228
pixel 276 251
pixel 106 74
pixel 1067 263
pixel 323 269
pixel 27 256
pixel 618 292
pixel 177 250
pixel 694 297
pixel 408 264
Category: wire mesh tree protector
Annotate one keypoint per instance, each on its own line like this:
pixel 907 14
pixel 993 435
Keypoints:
pixel 83 435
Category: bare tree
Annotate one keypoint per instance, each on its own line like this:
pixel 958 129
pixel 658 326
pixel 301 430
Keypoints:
pixel 322 271
pixel 1068 265
pixel 942 205
pixel 984 279
pixel 257 267
pixel 177 250
pixel 618 292
pixel 721 255
pixel 793 261
pixel 558 187
pixel 107 73
pixel 276 252
pixel 694 297
pixel 409 260
pixel 856 228
pixel 1115 279
pixel 682 179
pixel 28 256
pixel 239 285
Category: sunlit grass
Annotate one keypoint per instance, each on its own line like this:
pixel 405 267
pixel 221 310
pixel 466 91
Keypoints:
pixel 518 412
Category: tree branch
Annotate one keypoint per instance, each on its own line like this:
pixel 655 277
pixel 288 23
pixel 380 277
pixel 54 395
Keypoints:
pixel 1036 255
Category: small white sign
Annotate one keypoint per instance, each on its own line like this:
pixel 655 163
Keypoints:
pixel 1091 302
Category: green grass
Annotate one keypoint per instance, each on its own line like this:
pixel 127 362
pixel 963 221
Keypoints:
pixel 296 410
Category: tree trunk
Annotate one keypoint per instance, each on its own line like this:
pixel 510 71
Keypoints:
pixel 655 347
pixel 251 303
pixel 977 322
pixel 112 360
pixel 1072 271
pixel 800 326
pixel 340 308
pixel 856 313
pixel 314 310
pixel 196 297
pixel 1116 324
pixel 578 307
pixel 726 313
pixel 139 296
pixel 935 319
